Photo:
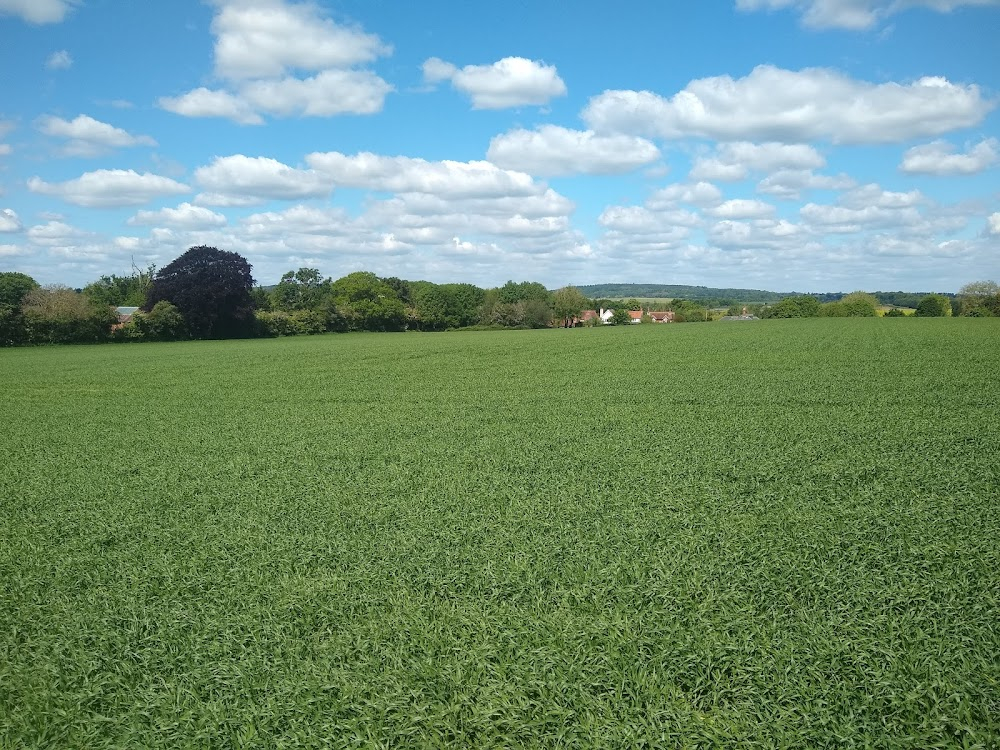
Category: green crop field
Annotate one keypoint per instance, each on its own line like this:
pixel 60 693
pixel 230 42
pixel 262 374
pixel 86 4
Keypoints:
pixel 776 534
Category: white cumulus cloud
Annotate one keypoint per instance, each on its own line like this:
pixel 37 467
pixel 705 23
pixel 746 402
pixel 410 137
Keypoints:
pixel 203 102
pixel 37 11
pixel 244 180
pixel 331 92
pixel 510 82
pixel 185 216
pixel 89 137
pixel 853 14
pixel 993 224
pixel 109 188
pixel 939 158
pixel 401 174
pixel 740 208
pixel 695 194
pixel 9 221
pixel 555 151
pixel 773 104
pixel 268 38
pixel 789 184
pixel 265 51
pixel 767 157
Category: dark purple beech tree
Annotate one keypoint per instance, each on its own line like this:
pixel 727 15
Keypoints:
pixel 211 289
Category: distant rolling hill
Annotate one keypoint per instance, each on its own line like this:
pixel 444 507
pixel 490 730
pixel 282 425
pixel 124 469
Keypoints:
pixel 673 291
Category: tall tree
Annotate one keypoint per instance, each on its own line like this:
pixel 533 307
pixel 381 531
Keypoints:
pixel 934 306
pixel 568 302
pixel 368 302
pixel 979 298
pixel 211 289
pixel 14 287
pixel 118 291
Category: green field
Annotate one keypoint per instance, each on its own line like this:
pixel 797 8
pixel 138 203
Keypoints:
pixel 778 534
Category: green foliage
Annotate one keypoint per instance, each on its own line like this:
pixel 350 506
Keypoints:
pixel 568 303
pixel 296 323
pixel 802 306
pixel 933 306
pixel 704 295
pixel 853 305
pixel 163 323
pixel 304 289
pixel 368 303
pixel 524 291
pixel 441 541
pixel 14 287
pixel 620 317
pixel 894 313
pixel 979 299
pixel 121 291
pixel 59 315
pixel 211 288
pixel 688 311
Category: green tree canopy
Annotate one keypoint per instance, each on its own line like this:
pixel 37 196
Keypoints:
pixel 368 303
pixel 211 289
pixel 979 298
pixel 121 291
pixel 934 306
pixel 14 287
pixel 568 303
pixel 60 315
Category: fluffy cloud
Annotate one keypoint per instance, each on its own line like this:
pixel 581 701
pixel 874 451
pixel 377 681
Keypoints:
pixel 331 92
pixel 9 222
pixel 510 82
pixel 641 220
pixel 741 209
pixel 89 137
pixel 37 11
pixel 185 216
pixel 871 207
pixel 109 188
pixel 268 38
pixel 60 60
pixel 853 14
pixel 993 224
pixel 939 158
pixel 734 161
pixel 792 106
pixel 789 184
pixel 261 48
pixel 243 180
pixel 203 102
pixel 554 151
pixel 401 174
pixel 56 233
pixel 697 194
pixel 763 233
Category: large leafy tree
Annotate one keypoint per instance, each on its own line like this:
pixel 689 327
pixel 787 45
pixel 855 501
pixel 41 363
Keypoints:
pixel 934 306
pixel 14 287
pixel 211 289
pixel 300 290
pixel 569 302
pixel 368 303
pixel 116 291
pixel 979 299
pixel 59 315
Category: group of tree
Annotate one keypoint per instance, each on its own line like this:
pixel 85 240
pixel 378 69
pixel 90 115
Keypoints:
pixel 208 293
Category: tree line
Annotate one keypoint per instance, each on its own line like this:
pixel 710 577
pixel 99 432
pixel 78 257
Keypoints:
pixel 208 293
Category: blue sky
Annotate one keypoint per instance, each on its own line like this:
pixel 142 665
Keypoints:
pixel 808 145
